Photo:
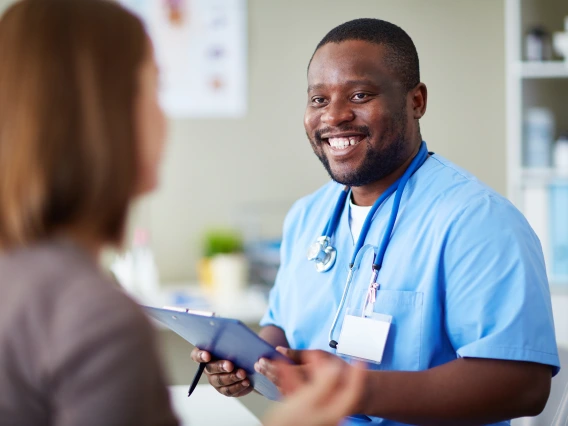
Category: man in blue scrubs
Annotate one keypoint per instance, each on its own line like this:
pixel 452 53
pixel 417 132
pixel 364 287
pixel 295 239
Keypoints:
pixel 463 279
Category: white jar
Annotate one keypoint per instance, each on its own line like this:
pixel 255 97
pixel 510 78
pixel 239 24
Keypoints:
pixel 561 154
pixel 229 273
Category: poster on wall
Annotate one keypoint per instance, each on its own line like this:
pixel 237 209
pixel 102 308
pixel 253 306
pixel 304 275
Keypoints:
pixel 201 49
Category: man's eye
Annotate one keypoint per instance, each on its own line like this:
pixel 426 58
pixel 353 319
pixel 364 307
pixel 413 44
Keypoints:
pixel 318 100
pixel 360 96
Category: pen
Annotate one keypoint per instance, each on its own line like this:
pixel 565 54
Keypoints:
pixel 196 378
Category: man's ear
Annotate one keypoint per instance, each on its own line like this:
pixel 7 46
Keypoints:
pixel 419 98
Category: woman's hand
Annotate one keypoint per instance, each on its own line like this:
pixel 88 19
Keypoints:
pixel 320 392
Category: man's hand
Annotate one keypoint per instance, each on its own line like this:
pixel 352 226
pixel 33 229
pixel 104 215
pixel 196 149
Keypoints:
pixel 322 391
pixel 223 375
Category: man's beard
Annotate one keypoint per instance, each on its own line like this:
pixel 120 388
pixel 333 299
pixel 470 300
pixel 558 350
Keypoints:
pixel 378 163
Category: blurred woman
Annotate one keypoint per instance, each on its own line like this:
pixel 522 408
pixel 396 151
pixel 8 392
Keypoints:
pixel 81 135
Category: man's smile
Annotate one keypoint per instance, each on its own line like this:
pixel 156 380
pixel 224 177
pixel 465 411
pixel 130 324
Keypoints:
pixel 341 144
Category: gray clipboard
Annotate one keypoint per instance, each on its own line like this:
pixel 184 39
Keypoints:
pixel 224 338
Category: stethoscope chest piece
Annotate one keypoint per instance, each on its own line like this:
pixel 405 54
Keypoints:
pixel 323 254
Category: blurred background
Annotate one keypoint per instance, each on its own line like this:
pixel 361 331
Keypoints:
pixel 237 155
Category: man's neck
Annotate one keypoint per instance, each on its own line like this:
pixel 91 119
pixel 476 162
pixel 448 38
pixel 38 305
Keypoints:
pixel 367 195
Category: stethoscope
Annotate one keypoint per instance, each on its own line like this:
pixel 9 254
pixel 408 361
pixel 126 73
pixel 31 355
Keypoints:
pixel 324 254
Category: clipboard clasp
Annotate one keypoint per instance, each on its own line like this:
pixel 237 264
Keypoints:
pixel 190 311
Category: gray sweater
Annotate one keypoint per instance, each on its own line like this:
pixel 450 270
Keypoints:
pixel 74 349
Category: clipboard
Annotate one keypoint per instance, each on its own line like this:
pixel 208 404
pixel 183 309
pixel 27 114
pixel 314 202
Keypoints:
pixel 223 338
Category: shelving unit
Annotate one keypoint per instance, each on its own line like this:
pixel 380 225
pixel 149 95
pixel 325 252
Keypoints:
pixel 541 176
pixel 531 84
pixel 549 69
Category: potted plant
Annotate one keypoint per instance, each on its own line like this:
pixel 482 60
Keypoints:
pixel 223 268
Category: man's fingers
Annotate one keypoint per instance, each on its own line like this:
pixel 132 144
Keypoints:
pixel 224 379
pixel 198 355
pixel 244 392
pixel 219 367
pixel 241 374
pixel 222 374
pixel 235 389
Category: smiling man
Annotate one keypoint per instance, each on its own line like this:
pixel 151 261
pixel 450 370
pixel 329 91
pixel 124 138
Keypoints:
pixel 421 270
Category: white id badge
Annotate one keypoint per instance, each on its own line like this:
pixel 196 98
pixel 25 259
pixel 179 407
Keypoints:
pixel 364 337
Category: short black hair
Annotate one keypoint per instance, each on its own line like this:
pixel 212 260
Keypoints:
pixel 402 57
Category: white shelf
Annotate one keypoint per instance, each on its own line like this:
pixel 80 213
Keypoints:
pixel 249 306
pixel 541 176
pixel 549 69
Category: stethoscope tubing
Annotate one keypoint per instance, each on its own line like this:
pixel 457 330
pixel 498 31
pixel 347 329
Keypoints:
pixel 414 165
pixel 331 224
pixel 398 186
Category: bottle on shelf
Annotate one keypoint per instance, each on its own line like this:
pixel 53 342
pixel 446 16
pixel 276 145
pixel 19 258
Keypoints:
pixel 145 272
pixel 538 45
pixel 539 135
pixel 136 271
pixel 561 154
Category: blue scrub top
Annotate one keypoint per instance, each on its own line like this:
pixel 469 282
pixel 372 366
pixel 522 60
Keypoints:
pixel 463 276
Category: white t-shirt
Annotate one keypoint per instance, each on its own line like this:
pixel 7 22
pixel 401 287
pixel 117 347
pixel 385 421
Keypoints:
pixel 357 216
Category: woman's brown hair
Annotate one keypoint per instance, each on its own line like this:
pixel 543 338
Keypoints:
pixel 69 73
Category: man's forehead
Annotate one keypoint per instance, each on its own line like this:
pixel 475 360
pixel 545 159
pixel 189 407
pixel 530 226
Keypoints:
pixel 356 82
pixel 348 61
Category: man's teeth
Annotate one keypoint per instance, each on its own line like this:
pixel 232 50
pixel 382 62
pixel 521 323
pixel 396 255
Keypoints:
pixel 342 143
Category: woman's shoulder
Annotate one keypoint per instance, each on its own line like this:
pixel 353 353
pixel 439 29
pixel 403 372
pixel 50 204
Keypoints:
pixel 53 273
pixel 60 291
pixel 77 337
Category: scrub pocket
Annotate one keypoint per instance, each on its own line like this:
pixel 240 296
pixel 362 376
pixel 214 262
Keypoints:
pixel 402 350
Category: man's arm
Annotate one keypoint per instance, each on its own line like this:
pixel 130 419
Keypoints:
pixel 467 391
pixel 274 335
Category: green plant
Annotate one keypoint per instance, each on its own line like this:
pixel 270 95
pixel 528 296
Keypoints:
pixel 222 241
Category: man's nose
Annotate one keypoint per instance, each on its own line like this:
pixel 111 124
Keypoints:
pixel 337 113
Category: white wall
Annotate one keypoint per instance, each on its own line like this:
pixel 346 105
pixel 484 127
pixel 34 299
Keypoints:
pixel 4 4
pixel 215 167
